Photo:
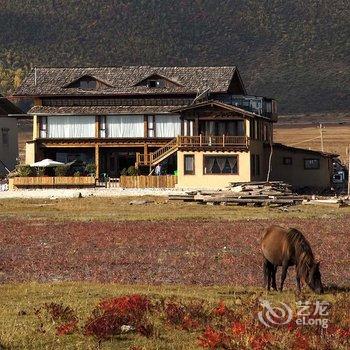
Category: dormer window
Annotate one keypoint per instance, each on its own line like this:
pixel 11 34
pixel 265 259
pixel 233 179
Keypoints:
pixel 156 83
pixel 86 84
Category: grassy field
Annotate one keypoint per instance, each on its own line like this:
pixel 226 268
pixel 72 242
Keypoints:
pixel 336 138
pixel 229 312
pixel 196 267
pixel 159 209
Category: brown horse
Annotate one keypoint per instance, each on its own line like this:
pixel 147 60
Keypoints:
pixel 286 248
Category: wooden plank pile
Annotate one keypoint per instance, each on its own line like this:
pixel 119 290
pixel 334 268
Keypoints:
pixel 245 193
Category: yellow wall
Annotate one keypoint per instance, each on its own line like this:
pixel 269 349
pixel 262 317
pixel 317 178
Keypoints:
pixel 199 180
pixel 295 174
pixel 30 153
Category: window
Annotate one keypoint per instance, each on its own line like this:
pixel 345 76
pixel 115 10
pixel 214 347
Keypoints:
pixel 167 125
pixel 156 83
pixel 43 127
pixel 103 129
pixel 189 164
pixel 311 163
pixel 151 126
pixel 287 160
pixel 87 84
pixel 188 127
pixel 255 165
pixel 220 165
pixel 219 128
pixel 71 127
pixel 5 136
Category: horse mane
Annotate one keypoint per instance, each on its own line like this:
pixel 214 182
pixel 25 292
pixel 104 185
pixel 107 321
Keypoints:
pixel 303 252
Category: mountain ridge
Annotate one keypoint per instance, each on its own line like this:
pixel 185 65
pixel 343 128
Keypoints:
pixel 296 52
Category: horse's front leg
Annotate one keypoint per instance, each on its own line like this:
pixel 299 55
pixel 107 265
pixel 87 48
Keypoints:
pixel 284 273
pixel 273 277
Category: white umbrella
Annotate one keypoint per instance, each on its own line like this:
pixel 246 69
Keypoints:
pixel 46 163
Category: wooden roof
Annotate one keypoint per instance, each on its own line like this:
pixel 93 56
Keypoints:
pixel 303 150
pixel 219 105
pixel 7 107
pixel 100 110
pixel 125 80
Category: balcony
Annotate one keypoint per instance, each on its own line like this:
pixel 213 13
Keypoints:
pixel 213 142
pixel 263 106
pixel 193 143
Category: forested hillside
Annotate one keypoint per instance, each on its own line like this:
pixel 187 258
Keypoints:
pixel 296 51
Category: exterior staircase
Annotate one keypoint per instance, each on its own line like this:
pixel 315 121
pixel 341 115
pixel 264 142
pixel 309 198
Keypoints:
pixel 221 143
pixel 158 156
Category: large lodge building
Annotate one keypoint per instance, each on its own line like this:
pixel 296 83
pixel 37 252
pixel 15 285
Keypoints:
pixel 197 121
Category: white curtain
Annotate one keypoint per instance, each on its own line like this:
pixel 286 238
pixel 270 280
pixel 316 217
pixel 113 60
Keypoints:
pixel 125 126
pixel 209 163
pixel 71 127
pixel 168 125
pixel 221 161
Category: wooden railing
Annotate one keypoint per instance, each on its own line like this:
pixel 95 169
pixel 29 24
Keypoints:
pixel 191 142
pixel 161 153
pixel 213 141
pixel 168 148
pixel 163 181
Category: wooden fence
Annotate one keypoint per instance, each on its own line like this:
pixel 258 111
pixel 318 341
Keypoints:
pixel 143 181
pixel 51 181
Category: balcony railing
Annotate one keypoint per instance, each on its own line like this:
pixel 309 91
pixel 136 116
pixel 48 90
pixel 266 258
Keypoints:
pixel 213 141
pixel 192 142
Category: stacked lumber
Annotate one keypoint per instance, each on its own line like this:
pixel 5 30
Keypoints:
pixel 273 188
pixel 245 193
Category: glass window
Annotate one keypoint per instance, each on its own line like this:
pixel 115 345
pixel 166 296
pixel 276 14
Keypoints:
pixel 220 165
pixel 311 163
pixel 189 164
pixel 150 127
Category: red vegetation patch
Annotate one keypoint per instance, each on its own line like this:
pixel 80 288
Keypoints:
pixel 190 252
pixel 111 315
pixel 67 328
pixel 207 327
pixel 213 339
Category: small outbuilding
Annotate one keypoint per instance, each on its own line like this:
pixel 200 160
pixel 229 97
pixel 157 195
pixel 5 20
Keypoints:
pixel 301 168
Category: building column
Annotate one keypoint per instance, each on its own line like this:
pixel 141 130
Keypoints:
pixel 97 160
pixel 97 126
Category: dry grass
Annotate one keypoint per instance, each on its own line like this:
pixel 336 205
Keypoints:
pixel 336 137
pixel 20 328
pixel 119 209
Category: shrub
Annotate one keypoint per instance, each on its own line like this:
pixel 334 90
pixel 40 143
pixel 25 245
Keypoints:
pixel 25 171
pixel 132 171
pixel 111 314
pixel 90 169
pixel 77 174
pixel 213 339
pixel 40 172
pixel 61 170
pixel 60 312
